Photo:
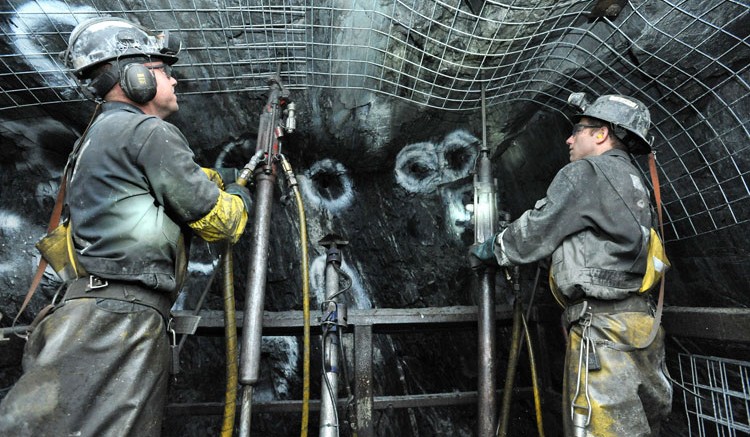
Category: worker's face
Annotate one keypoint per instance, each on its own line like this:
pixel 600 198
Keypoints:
pixel 582 142
pixel 165 101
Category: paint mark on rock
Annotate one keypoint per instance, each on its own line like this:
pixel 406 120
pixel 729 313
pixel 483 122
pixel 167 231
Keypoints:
pixel 327 185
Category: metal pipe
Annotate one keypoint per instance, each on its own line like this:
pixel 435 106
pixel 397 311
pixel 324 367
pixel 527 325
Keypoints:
pixel 486 347
pixel 256 286
pixel 16 330
pixel 485 226
pixel 329 423
pixel 334 317
pixel 265 179
pixel 245 407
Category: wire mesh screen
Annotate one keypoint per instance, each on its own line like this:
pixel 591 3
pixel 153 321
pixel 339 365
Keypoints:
pixel 687 60
pixel 720 404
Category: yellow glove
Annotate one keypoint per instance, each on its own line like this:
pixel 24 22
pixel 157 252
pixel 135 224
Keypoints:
pixel 214 177
pixel 225 221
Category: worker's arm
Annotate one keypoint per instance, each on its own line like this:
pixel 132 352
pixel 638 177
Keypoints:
pixel 188 192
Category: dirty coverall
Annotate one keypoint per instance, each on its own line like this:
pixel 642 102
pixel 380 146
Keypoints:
pixel 595 222
pixel 98 365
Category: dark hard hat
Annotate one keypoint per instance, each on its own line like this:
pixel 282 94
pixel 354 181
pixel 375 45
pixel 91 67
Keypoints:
pixel 103 39
pixel 629 117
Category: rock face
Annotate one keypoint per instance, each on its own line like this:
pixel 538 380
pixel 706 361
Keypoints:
pixel 389 126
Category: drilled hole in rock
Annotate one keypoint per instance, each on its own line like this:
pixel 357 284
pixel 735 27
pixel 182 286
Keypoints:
pixel 328 185
pixel 457 158
pixel 419 171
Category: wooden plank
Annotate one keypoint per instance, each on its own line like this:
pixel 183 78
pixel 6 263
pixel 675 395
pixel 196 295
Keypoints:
pixel 378 403
pixel 383 319
pixel 726 324
pixel 363 378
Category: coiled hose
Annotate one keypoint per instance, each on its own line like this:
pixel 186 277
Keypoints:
pixel 230 333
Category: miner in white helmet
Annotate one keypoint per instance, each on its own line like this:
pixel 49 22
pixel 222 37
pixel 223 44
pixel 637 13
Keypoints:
pixel 596 223
pixel 98 365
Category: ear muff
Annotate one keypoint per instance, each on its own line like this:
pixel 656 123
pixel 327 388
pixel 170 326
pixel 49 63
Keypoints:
pixel 138 82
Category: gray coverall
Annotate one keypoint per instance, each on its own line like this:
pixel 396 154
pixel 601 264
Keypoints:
pixel 595 222
pixel 100 366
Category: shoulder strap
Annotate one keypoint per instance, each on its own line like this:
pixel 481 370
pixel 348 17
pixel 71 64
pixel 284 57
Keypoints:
pixel 660 301
pixel 657 199
pixel 54 220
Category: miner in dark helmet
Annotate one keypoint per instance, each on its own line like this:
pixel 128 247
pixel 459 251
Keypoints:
pixel 597 225
pixel 98 364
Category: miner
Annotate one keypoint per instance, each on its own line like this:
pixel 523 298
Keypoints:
pixel 98 364
pixel 596 222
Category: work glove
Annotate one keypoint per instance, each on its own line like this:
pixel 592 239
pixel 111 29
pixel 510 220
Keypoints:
pixel 220 174
pixel 227 174
pixel 482 255
pixel 214 177
pixel 241 191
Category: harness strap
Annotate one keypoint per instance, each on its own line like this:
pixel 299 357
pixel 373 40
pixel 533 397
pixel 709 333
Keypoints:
pixel 660 300
pixel 53 222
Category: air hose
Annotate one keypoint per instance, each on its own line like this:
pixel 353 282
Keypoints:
pixel 230 333
pixel 510 375
pixel 534 381
pixel 519 321
pixel 305 294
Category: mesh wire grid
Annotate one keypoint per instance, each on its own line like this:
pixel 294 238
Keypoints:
pixel 719 404
pixel 687 60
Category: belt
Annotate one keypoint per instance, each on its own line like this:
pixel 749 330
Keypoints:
pixel 631 304
pixel 97 288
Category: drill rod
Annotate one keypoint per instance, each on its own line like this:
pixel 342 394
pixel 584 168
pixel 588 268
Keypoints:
pixel 485 226
pixel 265 179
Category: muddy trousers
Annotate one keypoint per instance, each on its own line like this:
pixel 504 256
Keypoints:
pixel 631 394
pixel 94 367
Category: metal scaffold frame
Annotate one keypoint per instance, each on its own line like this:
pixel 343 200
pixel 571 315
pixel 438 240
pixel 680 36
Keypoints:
pixel 718 402
pixel 688 61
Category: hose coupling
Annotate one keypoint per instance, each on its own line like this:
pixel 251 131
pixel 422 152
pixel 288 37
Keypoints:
pixel 291 121
pixel 291 179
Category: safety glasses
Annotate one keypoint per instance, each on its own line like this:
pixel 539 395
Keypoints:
pixel 578 127
pixel 167 69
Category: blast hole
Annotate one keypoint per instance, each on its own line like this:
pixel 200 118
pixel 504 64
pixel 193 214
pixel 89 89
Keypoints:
pixel 328 184
pixel 457 158
pixel 419 170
